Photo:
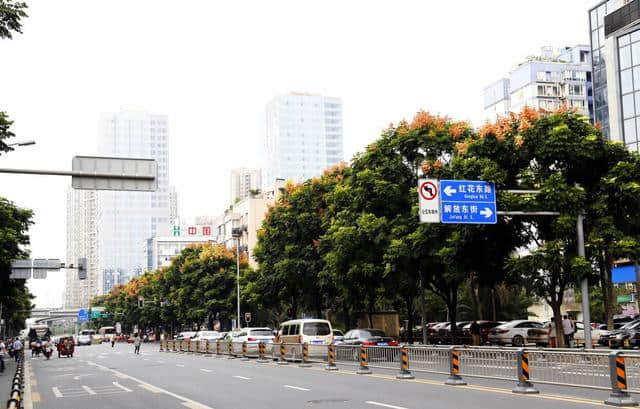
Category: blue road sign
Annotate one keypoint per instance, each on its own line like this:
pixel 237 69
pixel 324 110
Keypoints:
pixel 83 315
pixel 468 202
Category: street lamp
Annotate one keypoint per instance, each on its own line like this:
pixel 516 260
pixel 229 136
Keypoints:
pixel 23 143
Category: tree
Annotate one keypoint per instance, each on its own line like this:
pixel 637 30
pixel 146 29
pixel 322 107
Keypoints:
pixel 11 15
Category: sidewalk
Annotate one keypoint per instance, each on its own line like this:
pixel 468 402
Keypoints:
pixel 5 380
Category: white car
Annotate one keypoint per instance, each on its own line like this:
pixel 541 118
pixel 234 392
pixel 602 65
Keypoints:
pixel 186 335
pixel 84 339
pixel 210 336
pixel 579 335
pixel 518 333
pixel 254 335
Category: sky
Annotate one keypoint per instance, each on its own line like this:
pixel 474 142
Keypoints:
pixel 212 66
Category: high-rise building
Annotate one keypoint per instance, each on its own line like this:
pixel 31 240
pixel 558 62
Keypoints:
pixel 128 218
pixel 304 136
pixel 615 43
pixel 173 205
pixel 548 81
pixel 83 210
pixel 243 181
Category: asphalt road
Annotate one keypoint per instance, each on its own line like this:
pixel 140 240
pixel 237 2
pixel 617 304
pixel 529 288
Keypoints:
pixel 100 377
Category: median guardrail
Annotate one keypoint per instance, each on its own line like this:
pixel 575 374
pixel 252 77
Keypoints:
pixel 614 371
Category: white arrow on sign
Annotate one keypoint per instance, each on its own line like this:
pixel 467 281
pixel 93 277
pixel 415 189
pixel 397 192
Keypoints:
pixel 486 212
pixel 449 191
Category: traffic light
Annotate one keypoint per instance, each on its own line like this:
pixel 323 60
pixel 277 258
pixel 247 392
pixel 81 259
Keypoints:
pixel 82 268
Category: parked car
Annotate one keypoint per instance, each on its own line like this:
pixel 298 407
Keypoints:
pixel 254 335
pixel 308 330
pixel 368 337
pixel 616 338
pixel 338 336
pixel 485 329
pixel 579 334
pixel 518 333
pixel 186 335
pixel 210 336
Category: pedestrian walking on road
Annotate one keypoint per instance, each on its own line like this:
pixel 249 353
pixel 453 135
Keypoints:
pixel 2 353
pixel 17 348
pixel 475 333
pixel 136 342
pixel 113 341
pixel 568 330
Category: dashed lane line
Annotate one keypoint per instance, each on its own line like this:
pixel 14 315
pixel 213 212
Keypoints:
pixel 242 377
pixel 297 388
pixel 180 365
pixel 89 390
pixel 149 388
pixel 56 392
pixel 384 405
pixel 190 403
pixel 122 387
pixel 206 370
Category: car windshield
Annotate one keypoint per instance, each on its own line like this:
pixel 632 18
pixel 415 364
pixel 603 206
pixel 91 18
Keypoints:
pixel 338 333
pixel 260 332
pixel 373 333
pixel 316 328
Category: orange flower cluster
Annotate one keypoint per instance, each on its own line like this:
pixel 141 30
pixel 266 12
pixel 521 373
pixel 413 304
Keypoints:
pixel 486 130
pixel 529 114
pixel 438 164
pixel 424 119
pixel 518 140
pixel 458 129
pixel 462 147
pixel 525 125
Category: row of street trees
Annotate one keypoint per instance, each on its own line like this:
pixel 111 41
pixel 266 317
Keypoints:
pixel 349 243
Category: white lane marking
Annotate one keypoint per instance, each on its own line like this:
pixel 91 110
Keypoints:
pixel 160 362
pixel 122 376
pixel 296 388
pixel 122 387
pixel 146 359
pixel 206 370
pixel 186 401
pixel 150 388
pixel 180 365
pixel 384 405
pixel 242 377
pixel 89 390
pixel 56 392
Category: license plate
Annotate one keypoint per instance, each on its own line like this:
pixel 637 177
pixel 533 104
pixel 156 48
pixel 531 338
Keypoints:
pixel 383 344
pixel 316 341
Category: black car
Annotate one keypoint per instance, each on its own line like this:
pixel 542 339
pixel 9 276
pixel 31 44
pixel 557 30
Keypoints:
pixel 628 336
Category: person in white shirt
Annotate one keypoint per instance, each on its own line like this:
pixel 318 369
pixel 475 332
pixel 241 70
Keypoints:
pixel 17 348
pixel 568 330
pixel 2 353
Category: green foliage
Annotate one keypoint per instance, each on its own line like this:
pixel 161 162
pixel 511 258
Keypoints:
pixel 11 14
pixel 5 132
pixel 14 295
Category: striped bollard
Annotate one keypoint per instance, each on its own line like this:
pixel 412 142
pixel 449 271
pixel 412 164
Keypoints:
pixel 189 347
pixel 207 347
pixel 218 351
pixel 618 374
pixel 197 347
pixel 175 346
pixel 261 353
pixel 454 368
pixel 404 365
pixel 363 369
pixel 231 356
pixel 283 359
pixel 524 386
pixel 161 346
pixel 331 359
pixel 244 351
pixel 305 356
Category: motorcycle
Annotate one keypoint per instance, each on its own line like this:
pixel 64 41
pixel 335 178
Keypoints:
pixel 48 350
pixel 36 348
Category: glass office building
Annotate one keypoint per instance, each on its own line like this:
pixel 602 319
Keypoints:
pixel 615 43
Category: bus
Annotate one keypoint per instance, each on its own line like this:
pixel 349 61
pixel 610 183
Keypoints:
pixel 107 333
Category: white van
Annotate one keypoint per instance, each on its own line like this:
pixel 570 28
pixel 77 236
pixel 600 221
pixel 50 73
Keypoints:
pixel 307 330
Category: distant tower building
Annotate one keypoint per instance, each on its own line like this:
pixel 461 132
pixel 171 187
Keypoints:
pixel 129 218
pixel 243 181
pixel 304 136
pixel 548 81
pixel 82 242
pixel 173 205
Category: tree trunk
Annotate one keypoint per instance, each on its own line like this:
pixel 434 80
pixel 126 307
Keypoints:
pixel 452 306
pixel 410 311
pixel 605 292
pixel 557 316
pixel 611 310
pixel 494 315
pixel 424 317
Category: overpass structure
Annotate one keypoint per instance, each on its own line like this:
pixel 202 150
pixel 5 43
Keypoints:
pixel 47 315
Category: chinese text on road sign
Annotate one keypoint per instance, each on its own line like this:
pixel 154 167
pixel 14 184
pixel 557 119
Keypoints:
pixel 428 194
pixel 468 202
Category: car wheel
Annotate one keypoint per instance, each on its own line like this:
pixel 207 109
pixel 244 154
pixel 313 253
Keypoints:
pixel 518 341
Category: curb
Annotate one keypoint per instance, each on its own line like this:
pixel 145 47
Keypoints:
pixel 28 401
